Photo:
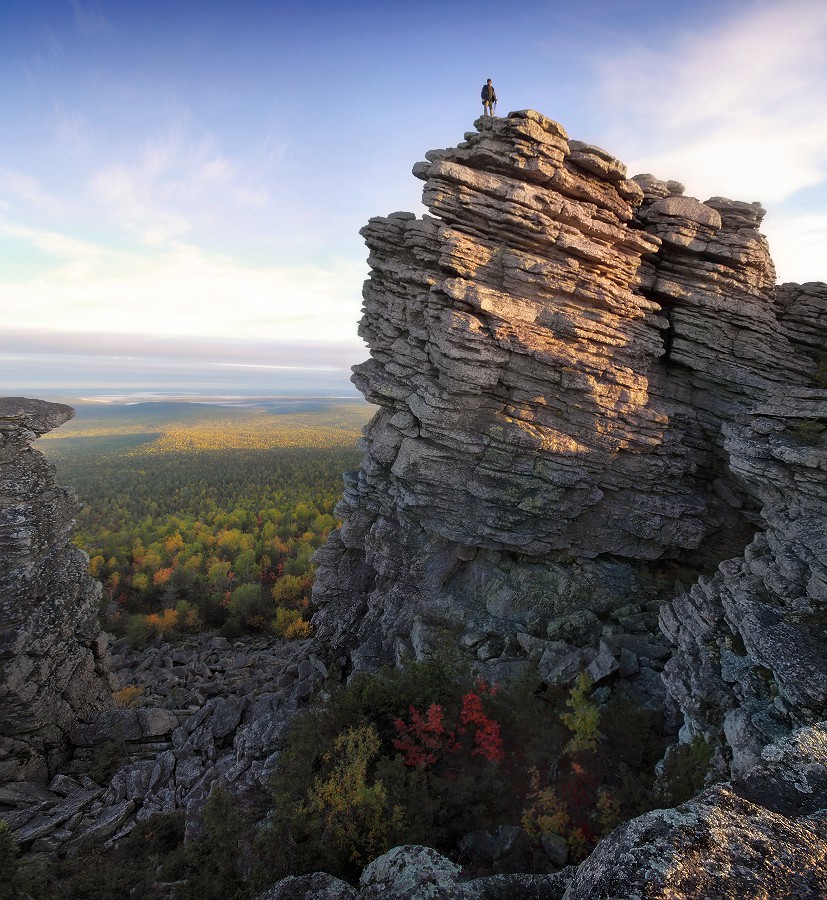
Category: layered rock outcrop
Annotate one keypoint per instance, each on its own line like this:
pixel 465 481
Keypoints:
pixel 588 386
pixel 53 658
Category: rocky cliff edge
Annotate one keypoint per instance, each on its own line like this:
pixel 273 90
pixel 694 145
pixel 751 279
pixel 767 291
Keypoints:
pixel 53 657
pixel 595 408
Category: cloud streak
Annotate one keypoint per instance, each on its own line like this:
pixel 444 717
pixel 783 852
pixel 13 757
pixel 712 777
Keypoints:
pixel 732 105
pixel 257 353
pixel 181 290
pixel 174 181
pixel 18 188
pixel 52 360
pixel 737 108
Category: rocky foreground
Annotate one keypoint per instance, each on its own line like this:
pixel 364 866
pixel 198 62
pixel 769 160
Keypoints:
pixel 600 445
pixel 761 836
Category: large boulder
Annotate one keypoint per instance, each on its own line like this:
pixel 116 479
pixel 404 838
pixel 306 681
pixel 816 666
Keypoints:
pixel 764 835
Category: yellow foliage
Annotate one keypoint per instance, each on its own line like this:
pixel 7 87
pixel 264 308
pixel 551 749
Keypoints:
pixel 547 814
pixel 174 543
pixel 584 718
pixel 161 624
pixel 127 696
pixel 608 812
pixel 357 820
pixel 290 625
pixel 298 630
pixel 337 427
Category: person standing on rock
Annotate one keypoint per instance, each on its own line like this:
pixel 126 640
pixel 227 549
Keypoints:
pixel 489 98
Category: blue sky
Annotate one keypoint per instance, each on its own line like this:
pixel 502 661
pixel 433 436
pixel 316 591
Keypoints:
pixel 182 183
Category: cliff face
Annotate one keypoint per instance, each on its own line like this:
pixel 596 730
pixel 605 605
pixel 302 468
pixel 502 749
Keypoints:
pixel 588 385
pixel 52 655
pixel 750 654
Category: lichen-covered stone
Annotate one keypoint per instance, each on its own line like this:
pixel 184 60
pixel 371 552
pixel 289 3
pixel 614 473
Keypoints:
pixel 762 836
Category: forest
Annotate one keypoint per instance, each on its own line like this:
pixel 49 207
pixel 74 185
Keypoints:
pixel 203 516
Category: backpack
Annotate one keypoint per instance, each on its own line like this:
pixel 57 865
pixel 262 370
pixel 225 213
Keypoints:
pixel 484 93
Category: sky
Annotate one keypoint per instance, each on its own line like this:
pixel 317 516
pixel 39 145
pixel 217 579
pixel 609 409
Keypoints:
pixel 182 183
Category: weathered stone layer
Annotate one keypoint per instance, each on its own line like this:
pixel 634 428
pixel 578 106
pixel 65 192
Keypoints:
pixel 53 665
pixel 557 352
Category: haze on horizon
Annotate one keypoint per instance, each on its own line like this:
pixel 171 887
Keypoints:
pixel 181 195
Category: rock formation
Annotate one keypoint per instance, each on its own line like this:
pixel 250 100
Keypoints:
pixel 588 386
pixel 53 659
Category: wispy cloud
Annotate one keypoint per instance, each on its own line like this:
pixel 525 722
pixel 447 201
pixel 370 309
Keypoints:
pixel 54 243
pixel 34 360
pixel 220 351
pixel 738 107
pixel 181 289
pixel 18 188
pixel 172 181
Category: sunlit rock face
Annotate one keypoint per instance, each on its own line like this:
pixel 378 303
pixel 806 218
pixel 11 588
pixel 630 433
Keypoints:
pixel 52 654
pixel 567 365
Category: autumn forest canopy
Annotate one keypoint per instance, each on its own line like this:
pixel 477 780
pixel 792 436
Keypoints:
pixel 204 517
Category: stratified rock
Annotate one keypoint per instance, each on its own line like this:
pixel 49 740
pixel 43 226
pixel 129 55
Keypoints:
pixel 802 309
pixel 555 353
pixel 52 659
pixel 751 642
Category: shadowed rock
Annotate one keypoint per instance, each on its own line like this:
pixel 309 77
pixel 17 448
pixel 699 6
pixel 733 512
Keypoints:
pixel 53 661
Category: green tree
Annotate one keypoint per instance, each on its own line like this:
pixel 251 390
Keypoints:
pixel 583 718
pixel 358 820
